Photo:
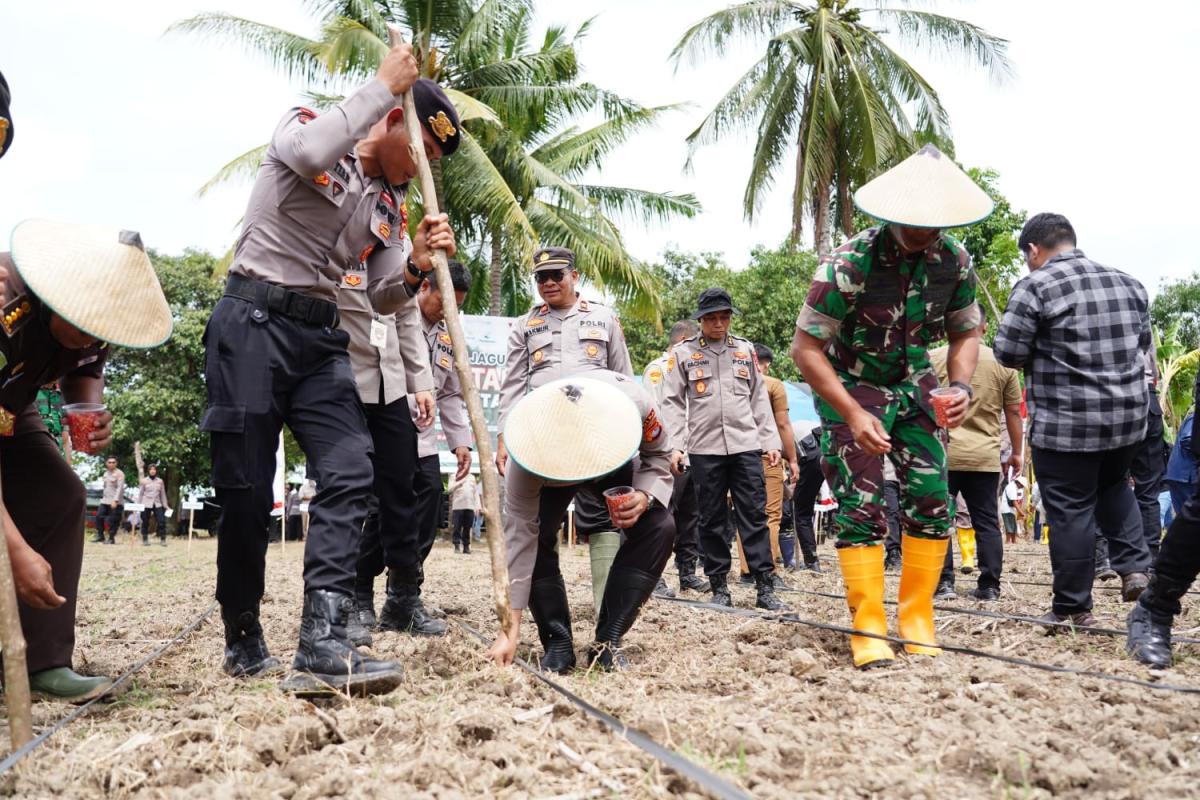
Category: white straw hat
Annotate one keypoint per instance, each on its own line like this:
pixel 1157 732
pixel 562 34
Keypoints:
pixel 98 279
pixel 925 190
pixel 573 429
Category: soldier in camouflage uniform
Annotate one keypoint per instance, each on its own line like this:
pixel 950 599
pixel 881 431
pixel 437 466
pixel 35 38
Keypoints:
pixel 876 306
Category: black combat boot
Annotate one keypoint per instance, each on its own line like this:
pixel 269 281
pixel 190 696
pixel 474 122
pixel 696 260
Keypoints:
pixel 552 615
pixel 720 591
pixel 766 593
pixel 624 595
pixel 688 579
pixel 662 590
pixel 1149 638
pixel 403 610
pixel 362 616
pixel 327 655
pixel 245 649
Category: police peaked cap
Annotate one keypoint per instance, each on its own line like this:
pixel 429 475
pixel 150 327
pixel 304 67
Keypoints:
pixel 553 258
pixel 6 125
pixel 437 114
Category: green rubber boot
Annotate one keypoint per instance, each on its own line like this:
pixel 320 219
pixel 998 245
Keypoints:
pixel 65 685
pixel 602 549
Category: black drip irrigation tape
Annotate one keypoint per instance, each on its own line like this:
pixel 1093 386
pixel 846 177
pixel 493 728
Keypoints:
pixel 710 783
pixel 979 612
pixel 20 754
pixel 793 619
pixel 1096 586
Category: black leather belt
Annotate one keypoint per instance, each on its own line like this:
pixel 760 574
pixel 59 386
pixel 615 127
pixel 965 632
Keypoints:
pixel 283 301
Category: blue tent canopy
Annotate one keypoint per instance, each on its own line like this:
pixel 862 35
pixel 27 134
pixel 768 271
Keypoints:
pixel 800 403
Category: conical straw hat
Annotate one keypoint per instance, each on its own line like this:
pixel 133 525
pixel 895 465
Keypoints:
pixel 99 279
pixel 572 430
pixel 925 190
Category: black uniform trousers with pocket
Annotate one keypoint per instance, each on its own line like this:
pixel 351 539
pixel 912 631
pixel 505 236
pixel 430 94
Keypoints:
pixel 686 514
pixel 740 475
pixel 264 370
pixel 389 537
pixel 45 498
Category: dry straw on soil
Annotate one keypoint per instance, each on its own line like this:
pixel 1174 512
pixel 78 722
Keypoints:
pixel 774 708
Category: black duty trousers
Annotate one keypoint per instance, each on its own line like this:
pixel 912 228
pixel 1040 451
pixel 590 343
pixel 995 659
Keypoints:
pixel 464 523
pixel 808 487
pixel 1178 560
pixel 264 370
pixel 979 491
pixel 159 515
pixel 739 474
pixel 427 485
pixel 1079 491
pixel 46 501
pixel 389 537
pixel 110 518
pixel 1147 471
pixel 686 515
pixel 891 501
pixel 646 546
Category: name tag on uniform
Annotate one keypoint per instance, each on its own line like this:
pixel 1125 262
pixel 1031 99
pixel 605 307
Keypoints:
pixel 378 334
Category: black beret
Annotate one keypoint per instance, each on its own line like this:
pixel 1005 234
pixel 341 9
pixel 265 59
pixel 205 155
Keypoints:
pixel 6 126
pixel 437 114
pixel 553 258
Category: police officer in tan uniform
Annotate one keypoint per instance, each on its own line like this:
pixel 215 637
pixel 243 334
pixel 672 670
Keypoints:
pixel 152 493
pixel 563 336
pixel 715 406
pixel 112 502
pixel 621 442
pixel 391 367
pixel 324 201
pixel 404 610
pixel 683 497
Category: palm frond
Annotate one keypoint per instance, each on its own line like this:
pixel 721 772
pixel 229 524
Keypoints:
pixel 244 167
pixel 641 205
pixel 753 20
pixel 351 49
pixel 296 55
pixel 574 152
pixel 934 32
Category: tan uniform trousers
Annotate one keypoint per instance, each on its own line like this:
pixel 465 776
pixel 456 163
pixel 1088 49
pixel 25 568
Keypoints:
pixel 774 481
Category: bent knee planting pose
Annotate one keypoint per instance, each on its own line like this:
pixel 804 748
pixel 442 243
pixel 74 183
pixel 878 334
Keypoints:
pixel 320 206
pixel 862 343
pixel 598 430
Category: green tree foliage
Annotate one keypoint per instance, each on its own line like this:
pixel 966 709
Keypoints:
pixel 830 85
pixel 157 396
pixel 1176 308
pixel 992 244
pixel 768 293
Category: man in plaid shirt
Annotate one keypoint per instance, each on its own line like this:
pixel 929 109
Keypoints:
pixel 1079 330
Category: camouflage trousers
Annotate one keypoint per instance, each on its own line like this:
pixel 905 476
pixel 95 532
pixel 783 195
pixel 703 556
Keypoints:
pixel 856 477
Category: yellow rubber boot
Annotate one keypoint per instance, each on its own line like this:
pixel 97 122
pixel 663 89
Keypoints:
pixel 862 570
pixel 921 563
pixel 966 547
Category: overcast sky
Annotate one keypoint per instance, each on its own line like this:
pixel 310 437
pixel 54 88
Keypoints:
pixel 119 124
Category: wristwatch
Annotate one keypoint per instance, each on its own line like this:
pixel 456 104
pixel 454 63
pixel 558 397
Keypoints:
pixel 966 387
pixel 415 272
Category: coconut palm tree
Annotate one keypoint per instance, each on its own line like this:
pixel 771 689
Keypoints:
pixel 831 86
pixel 516 180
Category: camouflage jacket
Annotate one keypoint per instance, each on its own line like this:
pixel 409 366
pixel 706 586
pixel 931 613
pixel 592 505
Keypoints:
pixel 878 312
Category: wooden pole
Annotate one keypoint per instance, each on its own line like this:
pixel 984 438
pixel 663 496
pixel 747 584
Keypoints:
pixel 16 676
pixel 483 441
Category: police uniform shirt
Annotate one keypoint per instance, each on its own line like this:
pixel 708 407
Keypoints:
pixel 401 364
pixel 313 214
pixel 549 343
pixel 114 487
pixel 154 493
pixel 714 400
pixel 30 356
pixel 522 491
pixel 451 409
pixel 655 375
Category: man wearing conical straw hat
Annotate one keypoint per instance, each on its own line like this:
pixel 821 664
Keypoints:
pixel 619 447
pixel 68 291
pixel 876 306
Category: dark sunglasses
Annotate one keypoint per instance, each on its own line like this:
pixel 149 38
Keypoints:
pixel 555 275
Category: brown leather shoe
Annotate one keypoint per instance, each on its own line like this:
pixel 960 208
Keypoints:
pixel 1132 585
pixel 1060 623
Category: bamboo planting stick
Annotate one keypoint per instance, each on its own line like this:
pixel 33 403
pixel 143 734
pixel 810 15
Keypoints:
pixel 483 441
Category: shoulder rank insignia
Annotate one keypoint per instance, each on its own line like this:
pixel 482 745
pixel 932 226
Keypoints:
pixel 15 314
pixel 322 179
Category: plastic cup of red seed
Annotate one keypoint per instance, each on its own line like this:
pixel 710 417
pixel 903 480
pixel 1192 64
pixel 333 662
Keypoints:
pixel 82 419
